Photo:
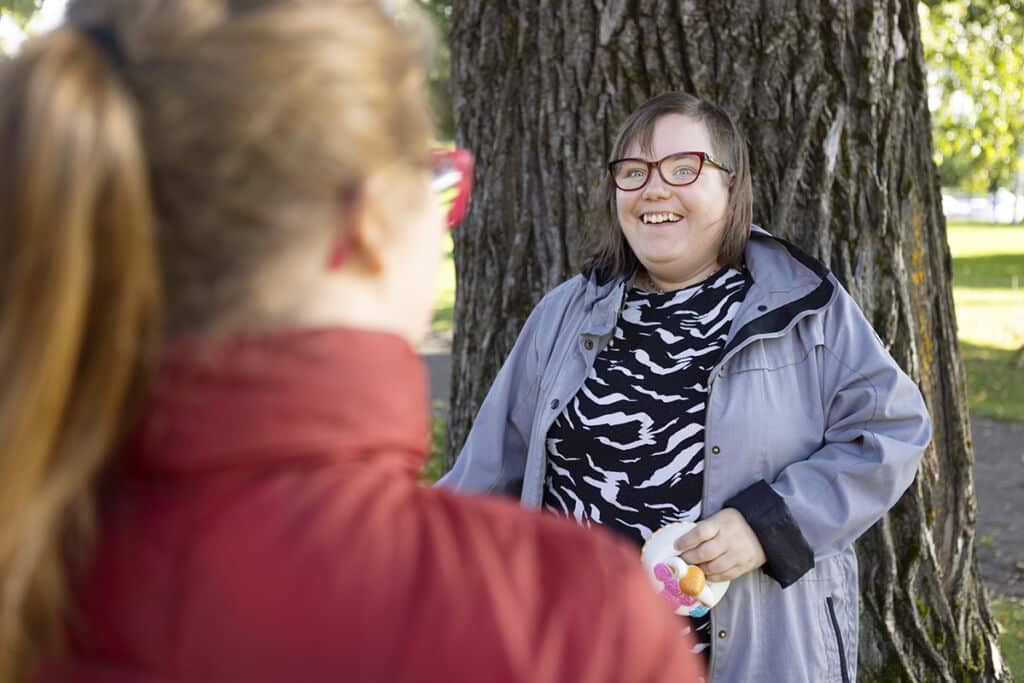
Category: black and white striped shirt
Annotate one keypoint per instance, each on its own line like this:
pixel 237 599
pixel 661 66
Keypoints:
pixel 628 450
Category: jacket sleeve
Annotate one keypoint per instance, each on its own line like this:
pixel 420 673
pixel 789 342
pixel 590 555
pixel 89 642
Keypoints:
pixel 877 429
pixel 493 458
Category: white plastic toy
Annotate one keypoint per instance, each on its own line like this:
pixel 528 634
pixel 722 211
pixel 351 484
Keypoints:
pixel 683 586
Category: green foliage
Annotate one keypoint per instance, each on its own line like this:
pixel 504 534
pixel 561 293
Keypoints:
pixel 440 94
pixel 975 56
pixel 20 10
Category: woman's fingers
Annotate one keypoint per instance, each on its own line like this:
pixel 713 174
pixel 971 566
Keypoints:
pixel 723 546
pixel 707 552
pixel 702 532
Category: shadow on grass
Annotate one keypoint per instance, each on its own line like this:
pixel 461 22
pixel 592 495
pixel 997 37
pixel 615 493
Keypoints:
pixel 993 271
pixel 995 386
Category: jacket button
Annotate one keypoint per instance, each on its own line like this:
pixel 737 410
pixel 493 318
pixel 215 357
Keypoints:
pixel 722 633
pixel 762 308
pixel 554 403
pixel 716 450
pixel 588 344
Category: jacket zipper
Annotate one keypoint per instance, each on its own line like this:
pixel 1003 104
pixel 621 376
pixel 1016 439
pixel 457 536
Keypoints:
pixel 839 639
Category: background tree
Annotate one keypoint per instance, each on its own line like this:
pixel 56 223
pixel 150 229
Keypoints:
pixel 833 99
pixel 975 56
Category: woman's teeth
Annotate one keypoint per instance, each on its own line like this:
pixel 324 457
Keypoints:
pixel 660 218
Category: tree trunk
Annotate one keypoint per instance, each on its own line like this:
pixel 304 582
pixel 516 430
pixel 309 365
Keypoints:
pixel 832 97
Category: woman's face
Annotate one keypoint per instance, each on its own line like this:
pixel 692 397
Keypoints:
pixel 676 232
pixel 414 251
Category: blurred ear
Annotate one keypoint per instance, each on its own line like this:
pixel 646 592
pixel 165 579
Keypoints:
pixel 367 245
pixel 359 235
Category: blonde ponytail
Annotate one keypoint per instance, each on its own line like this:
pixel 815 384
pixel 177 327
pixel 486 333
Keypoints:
pixel 79 311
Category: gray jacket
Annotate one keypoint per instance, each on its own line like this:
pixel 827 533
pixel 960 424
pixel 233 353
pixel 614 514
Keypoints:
pixel 812 433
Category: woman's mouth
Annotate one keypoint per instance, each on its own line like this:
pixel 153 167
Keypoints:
pixel 662 217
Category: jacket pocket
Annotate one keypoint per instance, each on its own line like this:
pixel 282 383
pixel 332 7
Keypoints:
pixel 844 670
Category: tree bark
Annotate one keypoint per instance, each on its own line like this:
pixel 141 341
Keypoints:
pixel 832 98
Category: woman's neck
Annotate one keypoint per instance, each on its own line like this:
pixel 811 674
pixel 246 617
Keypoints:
pixel 671 282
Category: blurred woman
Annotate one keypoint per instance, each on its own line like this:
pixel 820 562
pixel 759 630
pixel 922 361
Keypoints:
pixel 218 243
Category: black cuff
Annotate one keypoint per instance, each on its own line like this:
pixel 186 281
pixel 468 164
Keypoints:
pixel 788 555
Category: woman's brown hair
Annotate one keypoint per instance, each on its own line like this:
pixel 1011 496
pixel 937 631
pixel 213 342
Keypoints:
pixel 609 254
pixel 148 180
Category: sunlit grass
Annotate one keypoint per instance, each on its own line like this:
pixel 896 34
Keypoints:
pixel 444 306
pixel 990 317
pixel 1009 614
pixel 988 292
pixel 972 239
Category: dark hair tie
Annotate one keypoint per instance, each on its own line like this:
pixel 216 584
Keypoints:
pixel 107 43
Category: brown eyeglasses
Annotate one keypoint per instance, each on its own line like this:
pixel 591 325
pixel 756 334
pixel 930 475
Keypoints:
pixel 679 169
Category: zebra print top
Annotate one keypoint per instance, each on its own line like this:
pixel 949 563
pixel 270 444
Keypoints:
pixel 628 450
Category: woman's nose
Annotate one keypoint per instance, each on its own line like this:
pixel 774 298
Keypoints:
pixel 656 188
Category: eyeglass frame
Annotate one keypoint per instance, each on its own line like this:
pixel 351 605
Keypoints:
pixel 704 157
pixel 452 169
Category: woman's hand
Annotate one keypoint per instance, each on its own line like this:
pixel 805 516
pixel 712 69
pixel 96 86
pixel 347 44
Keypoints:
pixel 723 546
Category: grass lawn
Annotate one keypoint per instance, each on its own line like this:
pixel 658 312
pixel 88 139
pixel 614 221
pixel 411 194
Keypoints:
pixel 1010 615
pixel 988 292
pixel 444 306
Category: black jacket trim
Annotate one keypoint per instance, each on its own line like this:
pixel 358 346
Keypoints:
pixel 778 319
pixel 771 322
pixel 788 555
pixel 812 264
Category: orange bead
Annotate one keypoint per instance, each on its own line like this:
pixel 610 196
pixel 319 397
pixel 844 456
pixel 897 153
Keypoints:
pixel 693 582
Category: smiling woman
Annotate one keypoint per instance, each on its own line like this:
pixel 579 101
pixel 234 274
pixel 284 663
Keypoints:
pixel 700 370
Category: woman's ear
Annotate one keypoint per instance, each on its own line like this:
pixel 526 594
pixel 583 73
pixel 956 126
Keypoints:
pixel 358 234
pixel 367 246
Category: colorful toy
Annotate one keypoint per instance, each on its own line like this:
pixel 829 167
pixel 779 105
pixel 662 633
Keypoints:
pixel 683 586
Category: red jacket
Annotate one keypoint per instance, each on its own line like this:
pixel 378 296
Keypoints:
pixel 267 525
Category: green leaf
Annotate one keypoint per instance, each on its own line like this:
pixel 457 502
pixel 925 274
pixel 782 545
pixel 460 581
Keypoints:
pixel 975 55
pixel 20 10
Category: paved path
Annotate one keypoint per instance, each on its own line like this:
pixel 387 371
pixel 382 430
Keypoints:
pixel 998 472
pixel 999 485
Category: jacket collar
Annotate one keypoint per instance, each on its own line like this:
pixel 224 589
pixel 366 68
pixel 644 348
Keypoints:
pixel 787 282
pixel 340 395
